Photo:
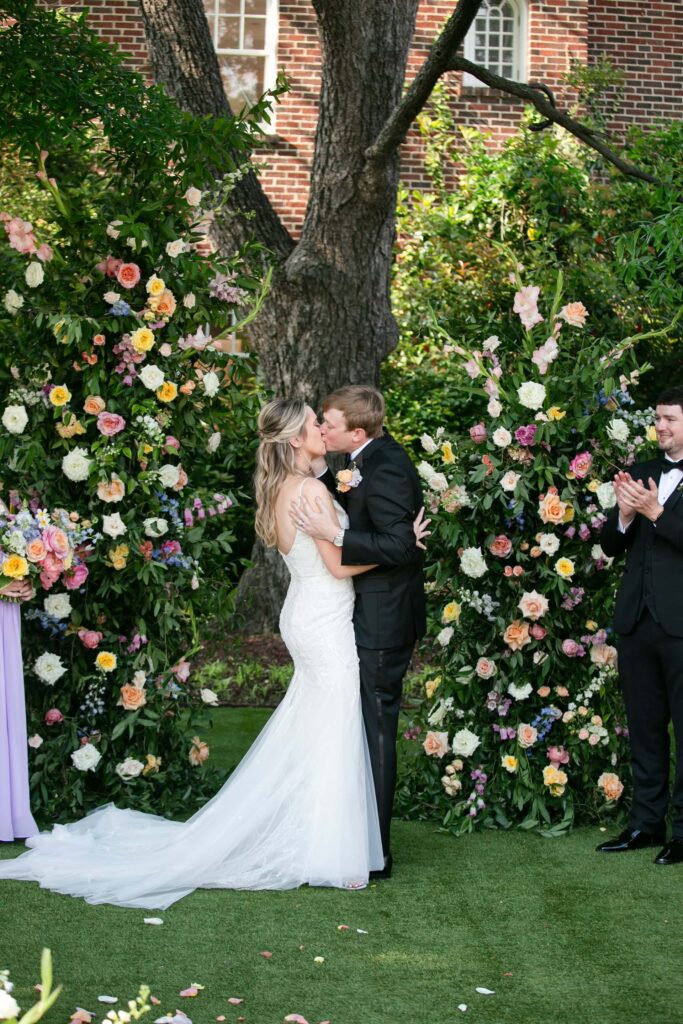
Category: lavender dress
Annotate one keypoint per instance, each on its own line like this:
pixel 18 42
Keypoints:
pixel 16 821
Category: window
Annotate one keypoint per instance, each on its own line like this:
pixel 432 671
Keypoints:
pixel 245 37
pixel 497 40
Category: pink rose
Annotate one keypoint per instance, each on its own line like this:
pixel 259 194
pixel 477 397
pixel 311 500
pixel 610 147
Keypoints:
pixel 583 734
pixel 171 442
pixel 90 638
pixel 76 576
pixel 537 631
pixel 110 423
pixel 485 668
pixel 526 735
pixel 594 739
pixel 571 648
pixel 53 717
pixel 181 670
pixel 557 755
pixel 56 542
pixel 500 546
pixel 581 464
pixel 478 433
pixel 128 275
pixel 526 435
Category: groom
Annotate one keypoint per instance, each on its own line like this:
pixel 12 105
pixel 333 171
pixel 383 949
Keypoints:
pixel 381 492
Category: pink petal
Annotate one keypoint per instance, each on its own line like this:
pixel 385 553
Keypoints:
pixel 265 954
pixel 220 1019
pixel 296 1018
pixel 342 927
pixel 234 1001
pixel 155 1001
pixel 188 993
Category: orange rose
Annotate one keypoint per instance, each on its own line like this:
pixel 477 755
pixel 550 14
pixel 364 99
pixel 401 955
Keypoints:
pixel 187 388
pixel 112 490
pixel 94 405
pixel 436 744
pixel 517 635
pixel 164 304
pixel 35 550
pixel 543 691
pixel 132 697
pixel 550 508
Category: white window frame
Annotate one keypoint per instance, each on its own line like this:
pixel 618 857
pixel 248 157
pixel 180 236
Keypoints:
pixel 269 52
pixel 520 46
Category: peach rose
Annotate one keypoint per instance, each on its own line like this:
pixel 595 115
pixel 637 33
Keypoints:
pixel 611 785
pixel 199 751
pixel 550 508
pixel 533 605
pixel 112 490
pixel 583 734
pixel 94 405
pixel 603 654
pixel 561 691
pixel 526 735
pixel 187 388
pixel 543 691
pixel 516 635
pixel 128 275
pixel 500 546
pixel 485 668
pixel 35 550
pixel 593 739
pixel 436 744
pixel 182 479
pixel 164 304
pixel 132 697
pixel 574 313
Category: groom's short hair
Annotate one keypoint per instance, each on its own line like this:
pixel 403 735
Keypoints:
pixel 361 405
pixel 671 396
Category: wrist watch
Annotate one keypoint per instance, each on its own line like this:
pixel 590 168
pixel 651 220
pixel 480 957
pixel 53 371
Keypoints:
pixel 338 538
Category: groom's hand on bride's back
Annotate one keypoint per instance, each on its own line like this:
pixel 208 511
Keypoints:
pixel 420 530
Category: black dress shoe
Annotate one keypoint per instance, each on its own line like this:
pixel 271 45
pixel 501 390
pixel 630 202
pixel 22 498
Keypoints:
pixel 672 853
pixel 385 872
pixel 631 839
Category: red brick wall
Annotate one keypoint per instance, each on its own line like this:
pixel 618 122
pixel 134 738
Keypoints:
pixel 644 40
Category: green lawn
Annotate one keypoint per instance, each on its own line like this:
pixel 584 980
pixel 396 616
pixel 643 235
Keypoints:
pixel 559 933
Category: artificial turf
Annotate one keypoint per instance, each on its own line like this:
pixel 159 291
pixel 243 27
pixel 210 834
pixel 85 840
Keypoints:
pixel 558 932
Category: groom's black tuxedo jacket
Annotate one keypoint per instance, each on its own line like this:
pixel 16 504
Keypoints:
pixel 653 553
pixel 390 601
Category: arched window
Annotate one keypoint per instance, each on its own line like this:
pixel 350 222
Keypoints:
pixel 497 40
pixel 244 34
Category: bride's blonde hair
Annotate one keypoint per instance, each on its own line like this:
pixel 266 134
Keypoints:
pixel 279 422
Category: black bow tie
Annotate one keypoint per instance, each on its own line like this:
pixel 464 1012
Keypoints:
pixel 667 464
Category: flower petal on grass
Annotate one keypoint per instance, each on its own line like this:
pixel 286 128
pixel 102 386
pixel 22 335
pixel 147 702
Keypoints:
pixel 295 1018
pixel 266 954
pixel 189 993
pixel 485 991
pixel 221 1018
pixel 342 927
pixel 153 920
pixel 81 1016
pixel 107 999
pixel 154 1001
pixel 234 1001
pixel 362 931
pixel 462 1007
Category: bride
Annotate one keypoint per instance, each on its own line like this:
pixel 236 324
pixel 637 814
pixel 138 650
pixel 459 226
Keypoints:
pixel 300 807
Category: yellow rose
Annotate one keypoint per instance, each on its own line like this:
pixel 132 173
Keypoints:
pixel 568 514
pixel 60 395
pixel 564 567
pixel 153 764
pixel 447 453
pixel 555 413
pixel 167 392
pixel 142 340
pixel 651 434
pixel 105 661
pixel 15 567
pixel 155 285
pixel 431 686
pixel 70 427
pixel 509 763
pixel 593 486
pixel 531 233
pixel 118 556
pixel 591 626
pixel 451 612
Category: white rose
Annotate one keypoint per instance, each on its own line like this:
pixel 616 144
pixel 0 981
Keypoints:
pixel 9 1008
pixel 548 543
pixel 76 465
pixel 435 481
pixel 34 275
pixel 472 562
pixel 86 758
pixel 428 444
pixel 599 555
pixel 531 395
pixel 194 582
pixel 35 741
pixel 151 376
pixel 618 430
pixel 175 248
pixel 209 697
pixel 501 437
pixel 14 419
pixel 211 383
pixel 169 475
pixel 519 692
pixel 193 197
pixel 58 606
pixel 111 297
pixel 113 525
pixel 445 636
pixel 49 668
pixel 606 496
pixel 494 408
pixel 465 743
pixel 112 228
pixel 13 301
pixel 155 527
pixel 189 300
pixel 510 480
pixel 214 441
pixel 139 679
pixel 129 769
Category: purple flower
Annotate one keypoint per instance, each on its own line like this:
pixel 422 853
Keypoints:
pixel 584 532
pixel 570 532
pixel 526 435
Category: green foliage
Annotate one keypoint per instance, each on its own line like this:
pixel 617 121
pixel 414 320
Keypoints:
pixel 124 183
pixel 521 719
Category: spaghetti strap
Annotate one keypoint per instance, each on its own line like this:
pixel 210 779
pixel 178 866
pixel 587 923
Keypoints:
pixel 301 489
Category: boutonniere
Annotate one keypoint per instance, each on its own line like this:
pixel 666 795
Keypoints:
pixel 348 478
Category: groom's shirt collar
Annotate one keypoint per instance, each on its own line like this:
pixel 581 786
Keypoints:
pixel 354 454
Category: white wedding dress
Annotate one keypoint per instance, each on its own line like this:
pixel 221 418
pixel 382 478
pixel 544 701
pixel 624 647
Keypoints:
pixel 299 808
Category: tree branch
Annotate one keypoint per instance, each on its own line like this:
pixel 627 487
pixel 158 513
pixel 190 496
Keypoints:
pixel 534 94
pixel 440 56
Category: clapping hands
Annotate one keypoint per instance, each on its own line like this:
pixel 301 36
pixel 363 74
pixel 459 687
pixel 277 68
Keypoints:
pixel 633 497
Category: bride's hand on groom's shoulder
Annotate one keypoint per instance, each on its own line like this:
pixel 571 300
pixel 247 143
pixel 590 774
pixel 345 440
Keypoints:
pixel 317 519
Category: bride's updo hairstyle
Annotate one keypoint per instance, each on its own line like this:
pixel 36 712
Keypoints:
pixel 279 421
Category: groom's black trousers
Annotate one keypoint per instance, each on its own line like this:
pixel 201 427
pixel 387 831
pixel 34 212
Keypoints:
pixel 381 681
pixel 651 673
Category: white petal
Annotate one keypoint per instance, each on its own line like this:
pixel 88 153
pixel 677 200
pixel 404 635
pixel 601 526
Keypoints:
pixel 485 991
pixel 153 920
